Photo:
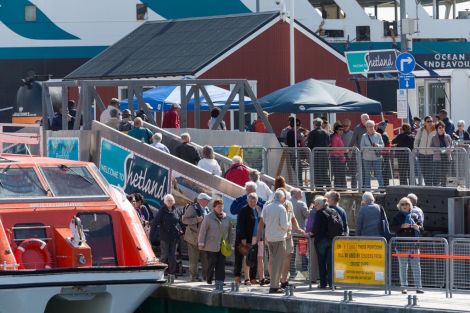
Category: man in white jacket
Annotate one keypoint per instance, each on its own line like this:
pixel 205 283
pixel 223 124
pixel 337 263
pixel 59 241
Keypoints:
pixel 274 216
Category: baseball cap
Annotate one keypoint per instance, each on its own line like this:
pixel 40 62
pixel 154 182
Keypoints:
pixel 114 101
pixel 177 105
pixel 203 196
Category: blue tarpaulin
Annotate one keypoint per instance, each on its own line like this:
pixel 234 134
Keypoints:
pixel 314 96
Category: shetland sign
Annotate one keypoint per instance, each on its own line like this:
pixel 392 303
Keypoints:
pixel 63 148
pixel 133 173
pixel 373 61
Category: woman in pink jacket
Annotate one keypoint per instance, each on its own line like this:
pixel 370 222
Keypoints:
pixel 337 157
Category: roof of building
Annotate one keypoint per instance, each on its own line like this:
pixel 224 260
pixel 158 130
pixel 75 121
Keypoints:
pixel 172 47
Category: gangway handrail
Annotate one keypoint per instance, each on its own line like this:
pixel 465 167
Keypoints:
pixel 216 182
pixel 219 157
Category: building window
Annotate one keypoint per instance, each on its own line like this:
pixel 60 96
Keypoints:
pixel 30 13
pixel 141 12
pixel 362 33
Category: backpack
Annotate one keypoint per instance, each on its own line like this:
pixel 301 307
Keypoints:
pixel 335 224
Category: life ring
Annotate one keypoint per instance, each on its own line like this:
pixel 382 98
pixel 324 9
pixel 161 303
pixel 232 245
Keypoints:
pixel 33 244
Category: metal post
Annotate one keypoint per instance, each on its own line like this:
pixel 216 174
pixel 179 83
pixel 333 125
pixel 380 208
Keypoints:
pixel 403 40
pixel 241 107
pixel 65 110
pixel 466 167
pixel 184 106
pixel 359 173
pixel 197 108
pixel 412 163
pixel 310 263
pixel 447 266
pixel 450 270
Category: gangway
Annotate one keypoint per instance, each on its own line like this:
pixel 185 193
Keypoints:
pixel 142 165
pixel 171 141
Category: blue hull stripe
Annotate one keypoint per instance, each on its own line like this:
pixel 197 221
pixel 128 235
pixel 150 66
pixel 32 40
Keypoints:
pixel 50 52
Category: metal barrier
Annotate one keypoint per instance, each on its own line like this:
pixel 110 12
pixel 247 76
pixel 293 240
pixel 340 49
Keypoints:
pixel 292 163
pixel 253 157
pixel 446 167
pixel 426 258
pixel 360 261
pixel 335 168
pixel 459 268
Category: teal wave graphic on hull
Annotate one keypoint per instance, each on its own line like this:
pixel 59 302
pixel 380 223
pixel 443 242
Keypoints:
pixel 12 14
pixel 173 9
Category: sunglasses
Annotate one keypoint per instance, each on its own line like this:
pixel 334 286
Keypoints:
pixel 404 204
pixel 428 121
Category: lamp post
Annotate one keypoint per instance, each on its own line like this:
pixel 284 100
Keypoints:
pixel 291 15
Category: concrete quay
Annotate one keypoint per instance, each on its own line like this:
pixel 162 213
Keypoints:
pixel 256 298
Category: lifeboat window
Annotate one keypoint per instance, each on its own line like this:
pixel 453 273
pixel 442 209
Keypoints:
pixel 24 231
pixel 98 229
pixel 72 181
pixel 20 182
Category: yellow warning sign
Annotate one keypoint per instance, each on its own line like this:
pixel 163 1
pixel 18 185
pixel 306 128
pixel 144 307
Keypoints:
pixel 360 262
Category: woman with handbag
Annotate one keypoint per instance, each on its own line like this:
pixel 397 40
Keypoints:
pixel 407 224
pixel 214 241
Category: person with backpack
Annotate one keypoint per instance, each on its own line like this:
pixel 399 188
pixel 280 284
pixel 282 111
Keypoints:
pixel 193 215
pixel 369 218
pixel 333 198
pixel 327 225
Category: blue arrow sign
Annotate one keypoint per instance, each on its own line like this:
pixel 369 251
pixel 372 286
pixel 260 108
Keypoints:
pixel 405 63
pixel 407 81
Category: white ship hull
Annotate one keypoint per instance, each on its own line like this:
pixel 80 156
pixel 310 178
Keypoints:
pixel 105 290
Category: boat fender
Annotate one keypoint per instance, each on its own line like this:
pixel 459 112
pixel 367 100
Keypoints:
pixel 33 244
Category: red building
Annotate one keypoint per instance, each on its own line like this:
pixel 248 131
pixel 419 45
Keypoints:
pixel 248 46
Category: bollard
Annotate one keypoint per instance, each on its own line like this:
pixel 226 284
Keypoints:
pixel 409 299
pixel 350 298
pixel 286 291
pixel 345 296
pixel 170 279
pixel 291 290
pixel 415 300
pixel 232 287
pixel 237 287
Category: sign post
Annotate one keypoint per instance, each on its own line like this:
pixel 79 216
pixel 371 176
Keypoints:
pixel 405 64
pixel 360 261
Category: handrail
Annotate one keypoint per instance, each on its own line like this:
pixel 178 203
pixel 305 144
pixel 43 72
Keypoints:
pixel 221 159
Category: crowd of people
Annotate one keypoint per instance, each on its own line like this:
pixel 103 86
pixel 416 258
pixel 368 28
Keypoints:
pixel 333 161
pixel 278 227
pixel 278 221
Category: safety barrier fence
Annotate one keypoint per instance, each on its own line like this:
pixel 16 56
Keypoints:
pixel 459 268
pixel 295 164
pixel 355 169
pixel 419 263
pixel 373 263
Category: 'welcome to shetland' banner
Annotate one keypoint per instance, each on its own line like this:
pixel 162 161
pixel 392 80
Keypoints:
pixel 133 173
